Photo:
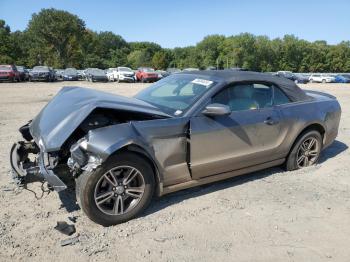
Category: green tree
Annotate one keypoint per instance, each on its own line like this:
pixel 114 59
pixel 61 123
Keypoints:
pixel 55 37
pixel 209 50
pixel 59 39
pixel 139 58
pixel 160 60
pixel 5 43
pixel 111 49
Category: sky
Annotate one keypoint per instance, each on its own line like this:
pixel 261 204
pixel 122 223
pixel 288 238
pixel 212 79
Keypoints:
pixel 180 23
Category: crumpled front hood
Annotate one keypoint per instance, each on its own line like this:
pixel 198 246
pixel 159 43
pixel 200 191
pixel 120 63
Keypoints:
pixel 69 108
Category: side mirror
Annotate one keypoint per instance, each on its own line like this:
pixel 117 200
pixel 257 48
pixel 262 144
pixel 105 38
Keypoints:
pixel 216 110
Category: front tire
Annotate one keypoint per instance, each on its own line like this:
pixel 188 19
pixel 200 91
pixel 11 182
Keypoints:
pixel 305 151
pixel 119 190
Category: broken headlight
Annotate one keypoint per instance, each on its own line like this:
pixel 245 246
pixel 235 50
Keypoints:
pixel 78 153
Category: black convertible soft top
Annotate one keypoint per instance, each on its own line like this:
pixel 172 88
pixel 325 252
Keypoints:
pixel 294 92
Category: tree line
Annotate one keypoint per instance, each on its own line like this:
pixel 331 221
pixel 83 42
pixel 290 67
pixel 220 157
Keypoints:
pixel 60 39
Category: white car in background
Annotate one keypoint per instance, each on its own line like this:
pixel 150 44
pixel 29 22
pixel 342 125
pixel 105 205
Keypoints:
pixel 120 74
pixel 321 78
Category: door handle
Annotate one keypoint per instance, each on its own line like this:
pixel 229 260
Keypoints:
pixel 269 121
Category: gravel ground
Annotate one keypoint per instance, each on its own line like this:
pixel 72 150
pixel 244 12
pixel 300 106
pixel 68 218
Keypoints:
pixel 270 215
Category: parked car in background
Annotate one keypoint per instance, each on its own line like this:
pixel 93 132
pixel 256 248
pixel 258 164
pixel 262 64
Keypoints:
pixel 80 74
pixel 162 74
pixel 301 79
pixel 96 75
pixel 190 69
pixel 342 79
pixel 211 68
pixel 146 74
pixel 42 73
pixel 111 74
pixel 286 74
pixel 238 69
pixel 23 73
pixel 121 74
pixel 321 78
pixel 70 74
pixel 9 73
pixel 87 71
pixel 173 70
pixel 59 74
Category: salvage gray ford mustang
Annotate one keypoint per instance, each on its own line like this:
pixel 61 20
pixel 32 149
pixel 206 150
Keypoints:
pixel 188 129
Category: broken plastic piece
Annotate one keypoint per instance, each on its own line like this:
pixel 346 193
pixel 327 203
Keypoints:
pixel 73 219
pixel 70 241
pixel 65 228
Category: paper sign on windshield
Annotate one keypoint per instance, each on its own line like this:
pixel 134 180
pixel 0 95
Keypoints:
pixel 202 82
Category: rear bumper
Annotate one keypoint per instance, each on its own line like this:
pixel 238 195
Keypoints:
pixel 126 78
pixel 6 78
pixel 150 79
pixel 40 78
pixel 99 79
pixel 70 78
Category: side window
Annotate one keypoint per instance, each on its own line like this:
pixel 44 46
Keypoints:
pixel 279 97
pixel 245 96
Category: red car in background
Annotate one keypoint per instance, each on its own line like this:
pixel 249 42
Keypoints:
pixel 146 74
pixel 9 73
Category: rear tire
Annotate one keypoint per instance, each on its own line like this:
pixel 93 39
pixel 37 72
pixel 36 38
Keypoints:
pixel 298 157
pixel 90 187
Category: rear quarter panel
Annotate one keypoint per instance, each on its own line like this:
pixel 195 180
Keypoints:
pixel 323 110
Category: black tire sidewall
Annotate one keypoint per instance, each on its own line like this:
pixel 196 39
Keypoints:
pixel 86 189
pixel 291 160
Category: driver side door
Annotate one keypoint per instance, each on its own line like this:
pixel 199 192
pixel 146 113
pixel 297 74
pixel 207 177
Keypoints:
pixel 246 137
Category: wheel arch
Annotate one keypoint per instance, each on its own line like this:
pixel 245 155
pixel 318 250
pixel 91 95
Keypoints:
pixel 143 153
pixel 311 126
pixel 314 126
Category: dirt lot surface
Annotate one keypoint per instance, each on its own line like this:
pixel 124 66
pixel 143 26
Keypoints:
pixel 266 216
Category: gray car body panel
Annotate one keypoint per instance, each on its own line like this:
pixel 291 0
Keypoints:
pixel 193 147
pixel 164 141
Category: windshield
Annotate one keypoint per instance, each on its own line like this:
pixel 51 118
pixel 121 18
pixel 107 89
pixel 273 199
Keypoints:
pixel 70 71
pixel 5 67
pixel 41 68
pixel 176 93
pixel 97 72
pixel 173 70
pixel 147 70
pixel 125 69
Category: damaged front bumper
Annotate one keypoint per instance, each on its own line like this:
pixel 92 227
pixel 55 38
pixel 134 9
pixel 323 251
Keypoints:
pixel 30 164
pixel 49 175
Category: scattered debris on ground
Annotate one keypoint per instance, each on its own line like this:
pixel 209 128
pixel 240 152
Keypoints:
pixel 65 228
